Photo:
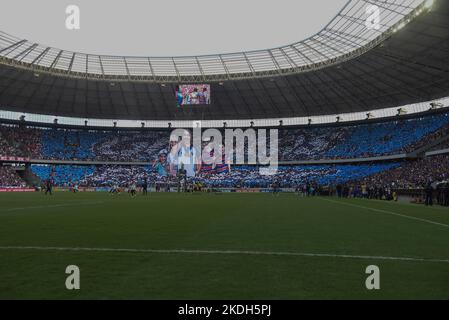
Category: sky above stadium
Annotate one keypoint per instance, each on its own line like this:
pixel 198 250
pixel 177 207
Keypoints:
pixel 168 27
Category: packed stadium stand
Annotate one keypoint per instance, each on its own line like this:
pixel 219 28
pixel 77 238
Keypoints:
pixel 63 175
pixel 9 178
pixel 361 140
pixel 441 146
pixel 413 174
pixel 241 176
pixel 314 143
pixel 355 141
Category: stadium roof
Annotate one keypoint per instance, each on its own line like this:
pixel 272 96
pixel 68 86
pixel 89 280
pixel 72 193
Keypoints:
pixel 344 37
pixel 344 68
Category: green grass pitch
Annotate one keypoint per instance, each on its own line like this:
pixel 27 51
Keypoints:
pixel 228 246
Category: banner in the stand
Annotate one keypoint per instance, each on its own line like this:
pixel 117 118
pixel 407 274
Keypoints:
pixel 15 159
pixel 17 190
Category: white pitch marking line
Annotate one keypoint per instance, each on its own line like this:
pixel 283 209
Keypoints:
pixel 224 252
pixel 387 212
pixel 51 206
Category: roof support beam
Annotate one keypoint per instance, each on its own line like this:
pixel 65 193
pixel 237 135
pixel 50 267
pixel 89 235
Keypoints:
pixel 41 55
pixel 14 45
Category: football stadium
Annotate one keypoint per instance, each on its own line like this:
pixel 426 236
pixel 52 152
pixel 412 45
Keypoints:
pixel 313 170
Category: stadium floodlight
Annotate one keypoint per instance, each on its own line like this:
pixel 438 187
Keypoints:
pixel 435 105
pixel 401 111
pixel 36 75
pixel 400 26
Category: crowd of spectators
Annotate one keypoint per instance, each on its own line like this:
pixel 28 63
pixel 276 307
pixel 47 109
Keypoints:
pixel 62 175
pixel 412 174
pixel 371 177
pixel 291 176
pixel 69 144
pixel 20 141
pixel 369 180
pixel 428 139
pixel 5 147
pixel 364 140
pixel 311 143
pixel 138 146
pixel 10 179
pixel 239 176
pixel 109 176
pixel 308 143
pixel 441 146
pixel 386 138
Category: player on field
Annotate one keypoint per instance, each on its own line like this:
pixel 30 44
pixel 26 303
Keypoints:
pixel 276 187
pixel 133 189
pixel 145 186
pixel 48 187
pixel 114 189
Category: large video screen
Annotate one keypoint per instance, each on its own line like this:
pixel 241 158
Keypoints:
pixel 193 94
